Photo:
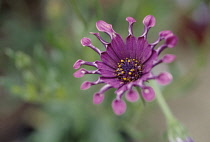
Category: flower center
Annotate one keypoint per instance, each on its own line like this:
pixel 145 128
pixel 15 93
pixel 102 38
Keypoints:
pixel 129 70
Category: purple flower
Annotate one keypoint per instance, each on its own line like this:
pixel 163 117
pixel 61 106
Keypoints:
pixel 127 64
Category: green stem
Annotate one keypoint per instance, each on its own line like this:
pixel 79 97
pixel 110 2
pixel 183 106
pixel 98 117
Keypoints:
pixel 162 103
pixel 139 91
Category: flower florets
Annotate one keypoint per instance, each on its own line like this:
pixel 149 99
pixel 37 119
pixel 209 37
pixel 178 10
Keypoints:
pixel 127 64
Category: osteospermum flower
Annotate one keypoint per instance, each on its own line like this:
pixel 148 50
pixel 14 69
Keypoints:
pixel 127 64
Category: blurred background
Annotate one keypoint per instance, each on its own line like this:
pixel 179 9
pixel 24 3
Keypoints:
pixel 41 101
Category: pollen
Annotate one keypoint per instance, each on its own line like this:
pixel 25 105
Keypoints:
pixel 128 70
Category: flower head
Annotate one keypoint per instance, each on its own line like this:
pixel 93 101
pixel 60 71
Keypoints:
pixel 127 64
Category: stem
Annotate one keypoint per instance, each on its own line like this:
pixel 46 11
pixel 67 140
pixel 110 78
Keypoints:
pixel 162 103
pixel 139 91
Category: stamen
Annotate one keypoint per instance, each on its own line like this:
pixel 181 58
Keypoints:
pixel 128 70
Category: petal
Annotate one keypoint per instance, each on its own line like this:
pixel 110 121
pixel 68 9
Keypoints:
pixel 103 66
pixel 112 81
pixel 107 73
pixel 149 63
pixel 148 93
pixel 81 72
pixel 80 62
pixel 98 98
pixel 131 46
pixel 143 50
pixel 168 58
pixel 108 60
pixel 105 27
pixel 149 21
pixel 171 41
pixel 130 27
pixel 132 96
pixel 118 106
pixel 164 34
pixel 85 85
pixel 85 41
pixel 118 46
pixel 164 78
pixel 112 53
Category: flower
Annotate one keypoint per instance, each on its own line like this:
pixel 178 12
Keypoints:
pixel 127 64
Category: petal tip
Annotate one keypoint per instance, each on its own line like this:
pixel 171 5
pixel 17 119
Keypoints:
pixel 148 94
pixel 85 85
pixel 86 41
pixel 132 96
pixel 164 78
pixel 98 98
pixel 149 21
pixel 79 73
pixel 130 20
pixel 118 106
pixel 171 41
pixel 77 64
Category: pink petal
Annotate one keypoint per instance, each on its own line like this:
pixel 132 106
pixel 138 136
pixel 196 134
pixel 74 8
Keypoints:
pixel 164 78
pixel 148 94
pixel 132 96
pixel 104 27
pixel 85 41
pixel 77 64
pixel 171 41
pixel 85 85
pixel 168 58
pixel 79 73
pixel 164 34
pixel 130 20
pixel 98 98
pixel 118 106
pixel 149 21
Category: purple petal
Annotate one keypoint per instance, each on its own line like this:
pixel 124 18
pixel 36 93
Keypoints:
pixel 149 63
pixel 85 85
pixel 107 73
pixel 131 46
pixel 132 96
pixel 112 53
pixel 77 64
pixel 98 98
pixel 105 27
pixel 85 41
pixel 130 27
pixel 143 50
pixel 100 38
pixel 108 60
pixel 171 41
pixel 79 73
pixel 164 78
pixel 168 58
pixel 118 45
pixel 118 106
pixel 80 62
pixel 164 34
pixel 148 93
pixel 112 81
pixel 103 66
pixel 149 21
pixel 130 20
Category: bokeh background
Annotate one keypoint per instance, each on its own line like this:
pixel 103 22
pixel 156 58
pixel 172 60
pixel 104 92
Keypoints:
pixel 41 101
